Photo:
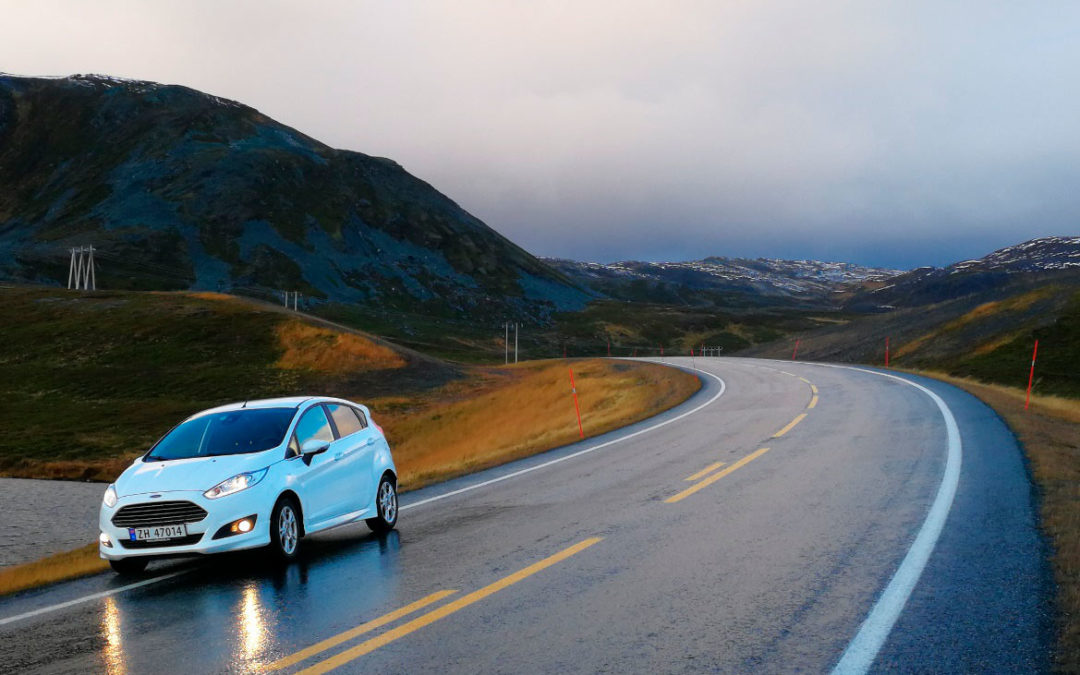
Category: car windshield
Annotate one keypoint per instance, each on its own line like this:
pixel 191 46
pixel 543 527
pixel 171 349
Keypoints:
pixel 225 433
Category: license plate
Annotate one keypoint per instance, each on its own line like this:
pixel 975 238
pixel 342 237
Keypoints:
pixel 157 533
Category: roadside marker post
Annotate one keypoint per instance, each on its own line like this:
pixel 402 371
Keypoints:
pixel 577 408
pixel 886 351
pixel 1031 375
pixel 609 347
pixel 796 352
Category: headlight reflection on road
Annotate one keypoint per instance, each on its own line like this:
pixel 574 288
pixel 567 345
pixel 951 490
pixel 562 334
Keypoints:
pixel 251 626
pixel 113 653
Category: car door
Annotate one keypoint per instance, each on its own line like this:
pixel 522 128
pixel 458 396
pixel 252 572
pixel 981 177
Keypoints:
pixel 353 451
pixel 315 480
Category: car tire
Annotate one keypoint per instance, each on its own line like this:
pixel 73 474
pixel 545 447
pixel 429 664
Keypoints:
pixel 285 529
pixel 129 567
pixel 386 506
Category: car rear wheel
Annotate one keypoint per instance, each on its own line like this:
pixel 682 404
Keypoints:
pixel 129 567
pixel 285 529
pixel 386 506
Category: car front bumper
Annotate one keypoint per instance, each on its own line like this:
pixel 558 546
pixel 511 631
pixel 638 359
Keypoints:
pixel 219 512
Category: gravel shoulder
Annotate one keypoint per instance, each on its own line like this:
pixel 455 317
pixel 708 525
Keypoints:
pixel 42 517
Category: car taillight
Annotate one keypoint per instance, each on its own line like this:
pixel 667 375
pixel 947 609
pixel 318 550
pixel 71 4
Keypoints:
pixel 378 427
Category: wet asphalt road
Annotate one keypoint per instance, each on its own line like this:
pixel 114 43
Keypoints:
pixel 603 562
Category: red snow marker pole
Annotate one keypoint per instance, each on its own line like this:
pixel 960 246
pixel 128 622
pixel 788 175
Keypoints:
pixel 661 350
pixel 609 347
pixel 564 351
pixel 794 353
pixel 635 352
pixel 577 409
pixel 886 351
pixel 1031 375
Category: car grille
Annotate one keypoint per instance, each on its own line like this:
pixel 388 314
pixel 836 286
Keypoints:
pixel 179 541
pixel 150 514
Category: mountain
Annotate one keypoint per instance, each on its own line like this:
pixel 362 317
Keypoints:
pixel 177 189
pixel 977 318
pixel 1048 258
pixel 724 281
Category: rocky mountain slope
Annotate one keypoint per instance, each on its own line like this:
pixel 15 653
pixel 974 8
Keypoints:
pixel 719 280
pixel 177 189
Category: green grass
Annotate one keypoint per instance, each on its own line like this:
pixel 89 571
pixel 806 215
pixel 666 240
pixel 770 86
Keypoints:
pixel 86 377
pixel 1057 371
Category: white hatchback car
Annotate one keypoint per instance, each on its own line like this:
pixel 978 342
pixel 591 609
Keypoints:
pixel 258 473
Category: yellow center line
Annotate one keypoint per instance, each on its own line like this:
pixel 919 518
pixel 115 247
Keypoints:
pixel 319 647
pixel 813 402
pixel 449 608
pixel 707 470
pixel 813 389
pixel 787 373
pixel 806 381
pixel 715 477
pixel 790 426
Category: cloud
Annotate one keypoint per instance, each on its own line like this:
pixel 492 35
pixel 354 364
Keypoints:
pixel 893 133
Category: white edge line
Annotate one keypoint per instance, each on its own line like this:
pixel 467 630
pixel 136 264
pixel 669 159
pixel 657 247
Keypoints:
pixel 874 631
pixel 579 453
pixel 88 598
pixel 147 582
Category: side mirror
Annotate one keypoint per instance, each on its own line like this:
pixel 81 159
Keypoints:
pixel 313 446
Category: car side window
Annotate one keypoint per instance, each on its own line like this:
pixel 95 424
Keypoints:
pixel 362 416
pixel 313 424
pixel 345 419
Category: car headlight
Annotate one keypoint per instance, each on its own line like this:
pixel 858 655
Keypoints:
pixel 240 481
pixel 110 496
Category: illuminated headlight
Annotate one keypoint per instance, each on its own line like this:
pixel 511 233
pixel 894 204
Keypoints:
pixel 105 541
pixel 110 496
pixel 237 483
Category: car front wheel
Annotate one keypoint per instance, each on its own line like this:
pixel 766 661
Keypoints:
pixel 386 506
pixel 285 529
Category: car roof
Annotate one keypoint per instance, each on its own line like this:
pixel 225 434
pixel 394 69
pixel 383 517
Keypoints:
pixel 284 402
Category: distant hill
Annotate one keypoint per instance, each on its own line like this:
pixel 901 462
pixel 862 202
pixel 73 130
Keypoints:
pixel 726 281
pixel 977 318
pixel 1048 259
pixel 182 190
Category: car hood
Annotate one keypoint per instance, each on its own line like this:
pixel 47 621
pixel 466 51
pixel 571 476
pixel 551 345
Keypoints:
pixel 197 473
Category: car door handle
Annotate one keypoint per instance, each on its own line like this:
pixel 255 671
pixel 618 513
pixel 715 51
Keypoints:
pixel 371 441
pixel 340 455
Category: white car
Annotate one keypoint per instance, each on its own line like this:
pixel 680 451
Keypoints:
pixel 245 475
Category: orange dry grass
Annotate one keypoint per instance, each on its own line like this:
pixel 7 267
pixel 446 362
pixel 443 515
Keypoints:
pixel 308 347
pixel 1050 433
pixel 58 567
pixel 532 410
pixel 210 295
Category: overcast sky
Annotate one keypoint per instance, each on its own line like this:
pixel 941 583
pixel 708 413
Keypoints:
pixel 886 133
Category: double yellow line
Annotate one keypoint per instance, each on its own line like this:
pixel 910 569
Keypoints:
pixel 714 477
pixel 419 622
pixel 707 476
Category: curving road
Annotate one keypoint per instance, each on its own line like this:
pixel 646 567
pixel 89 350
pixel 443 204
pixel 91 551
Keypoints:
pixel 788 517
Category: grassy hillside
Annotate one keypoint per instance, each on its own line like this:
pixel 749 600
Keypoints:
pixel 988 336
pixel 90 380
pixel 628 326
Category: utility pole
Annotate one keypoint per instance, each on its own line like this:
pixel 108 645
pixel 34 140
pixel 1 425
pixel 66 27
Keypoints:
pixel 515 342
pixel 506 343
pixel 81 269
